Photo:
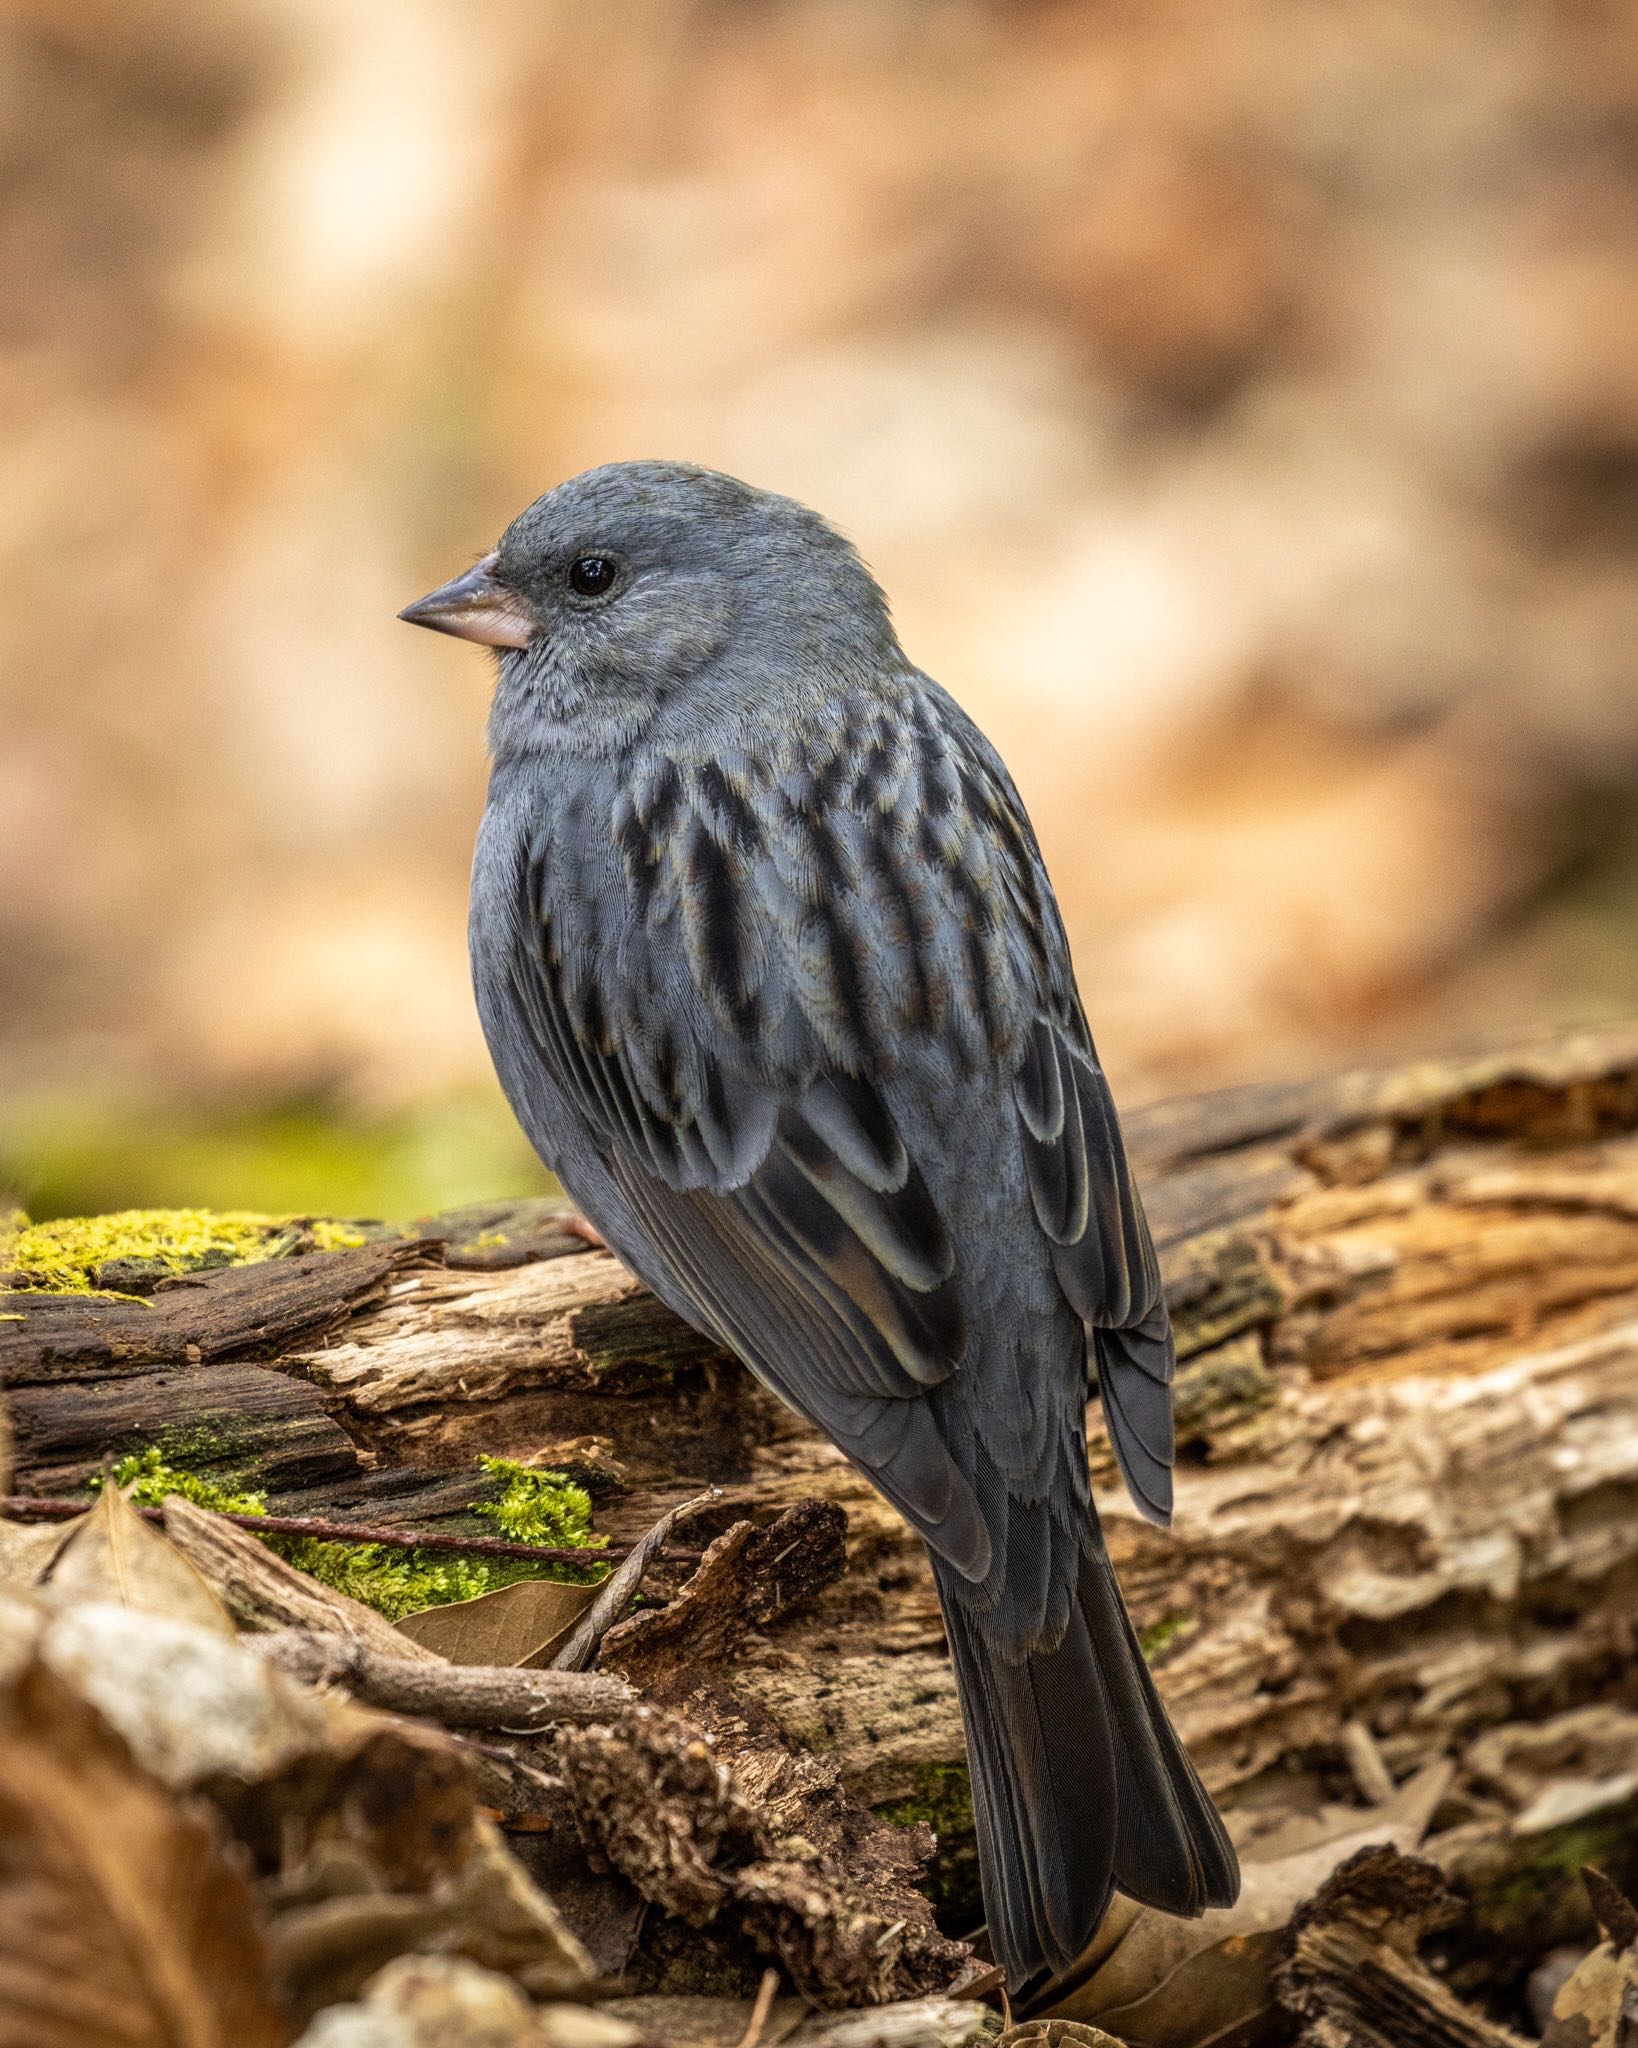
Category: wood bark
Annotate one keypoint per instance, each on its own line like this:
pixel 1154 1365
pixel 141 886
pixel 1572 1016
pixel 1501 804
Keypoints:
pixel 1407 1515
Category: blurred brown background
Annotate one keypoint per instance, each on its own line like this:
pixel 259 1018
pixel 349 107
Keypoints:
pixel 1240 405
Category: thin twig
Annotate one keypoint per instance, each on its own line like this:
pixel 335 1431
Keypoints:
pixel 1366 1761
pixel 615 1594
pixel 42 1508
pixel 752 2036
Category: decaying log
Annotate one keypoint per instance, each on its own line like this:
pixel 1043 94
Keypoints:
pixel 1407 1305
pixel 264 1594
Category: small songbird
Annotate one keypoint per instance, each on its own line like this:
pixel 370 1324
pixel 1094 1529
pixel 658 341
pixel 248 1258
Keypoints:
pixel 774 979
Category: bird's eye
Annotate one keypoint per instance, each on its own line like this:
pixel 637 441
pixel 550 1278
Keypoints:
pixel 591 575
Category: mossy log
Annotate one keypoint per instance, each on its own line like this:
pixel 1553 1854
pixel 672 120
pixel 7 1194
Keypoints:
pixel 1407 1305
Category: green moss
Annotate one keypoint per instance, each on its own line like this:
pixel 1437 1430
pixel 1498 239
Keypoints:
pixel 1160 1635
pixel 214 1442
pixel 539 1505
pixel 535 1507
pixel 74 1153
pixel 398 1582
pixel 131 1250
pixel 1546 1892
pixel 1222 1397
pixel 150 1481
pixel 943 1800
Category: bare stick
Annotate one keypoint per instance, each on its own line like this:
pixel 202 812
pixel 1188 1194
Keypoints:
pixel 23 1507
pixel 615 1594
pixel 755 2025
pixel 456 1695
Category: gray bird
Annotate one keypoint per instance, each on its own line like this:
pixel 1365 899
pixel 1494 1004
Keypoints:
pixel 774 980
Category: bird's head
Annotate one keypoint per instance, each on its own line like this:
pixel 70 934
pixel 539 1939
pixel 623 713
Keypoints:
pixel 648 593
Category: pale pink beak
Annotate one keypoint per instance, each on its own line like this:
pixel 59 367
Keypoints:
pixel 475 606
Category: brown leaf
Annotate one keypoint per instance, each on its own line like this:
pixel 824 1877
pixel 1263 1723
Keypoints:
pixel 1157 1982
pixel 714 2022
pixel 1597 2007
pixel 518 1627
pixel 327 1946
pixel 121 1921
pixel 446 2002
pixel 26 1548
pixel 204 1712
pixel 1056 2034
pixel 112 1554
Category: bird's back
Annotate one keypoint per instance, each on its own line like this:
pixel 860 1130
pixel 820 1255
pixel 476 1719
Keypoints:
pixel 789 1009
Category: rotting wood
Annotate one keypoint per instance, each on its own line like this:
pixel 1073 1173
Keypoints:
pixel 266 1595
pixel 1354 1978
pixel 1407 1306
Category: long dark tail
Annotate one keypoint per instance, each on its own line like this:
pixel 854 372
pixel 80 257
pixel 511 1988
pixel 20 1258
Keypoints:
pixel 1080 1785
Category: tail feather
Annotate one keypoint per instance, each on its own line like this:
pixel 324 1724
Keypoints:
pixel 1080 1785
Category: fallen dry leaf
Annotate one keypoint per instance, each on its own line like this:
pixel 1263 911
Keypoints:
pixel 26 1548
pixel 263 1592
pixel 286 1764
pixel 907 2023
pixel 112 1554
pixel 372 1818
pixel 197 1708
pixel 490 1911
pixel 704 2022
pixel 1597 2007
pixel 1165 1983
pixel 122 1923
pixel 1057 2034
pixel 519 1627
pixel 562 2025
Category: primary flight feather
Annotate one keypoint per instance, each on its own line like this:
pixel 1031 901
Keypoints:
pixel 773 977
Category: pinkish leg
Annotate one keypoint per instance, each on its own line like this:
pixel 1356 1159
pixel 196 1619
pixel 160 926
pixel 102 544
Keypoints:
pixel 588 1233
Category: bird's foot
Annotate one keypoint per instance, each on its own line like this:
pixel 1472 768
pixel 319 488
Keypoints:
pixel 588 1233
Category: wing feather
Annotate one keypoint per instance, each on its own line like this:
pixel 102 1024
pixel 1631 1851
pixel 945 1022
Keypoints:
pixel 801 1231
pixel 1088 1206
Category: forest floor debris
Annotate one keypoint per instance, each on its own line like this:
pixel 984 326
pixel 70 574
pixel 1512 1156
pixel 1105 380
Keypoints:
pixel 593 1806
pixel 278 1823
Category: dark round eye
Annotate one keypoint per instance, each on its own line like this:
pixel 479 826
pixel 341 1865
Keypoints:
pixel 591 575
